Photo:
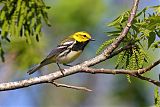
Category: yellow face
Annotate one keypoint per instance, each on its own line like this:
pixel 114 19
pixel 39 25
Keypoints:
pixel 81 36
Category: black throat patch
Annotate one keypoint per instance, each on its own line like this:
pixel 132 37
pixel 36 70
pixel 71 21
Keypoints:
pixel 79 46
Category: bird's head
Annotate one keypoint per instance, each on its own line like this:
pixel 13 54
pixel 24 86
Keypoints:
pixel 82 37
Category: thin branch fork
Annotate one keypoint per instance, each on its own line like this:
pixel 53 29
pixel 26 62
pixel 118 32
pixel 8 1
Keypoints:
pixel 120 71
pixel 135 73
pixel 75 69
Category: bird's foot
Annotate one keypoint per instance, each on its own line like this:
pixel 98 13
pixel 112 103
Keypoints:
pixel 62 71
pixel 68 65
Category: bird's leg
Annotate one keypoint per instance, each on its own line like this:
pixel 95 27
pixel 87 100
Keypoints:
pixel 68 65
pixel 60 69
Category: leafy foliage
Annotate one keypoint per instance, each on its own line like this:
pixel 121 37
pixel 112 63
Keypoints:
pixel 22 18
pixel 156 97
pixel 133 58
pixel 145 27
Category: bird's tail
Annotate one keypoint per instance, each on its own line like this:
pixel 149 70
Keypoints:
pixel 34 69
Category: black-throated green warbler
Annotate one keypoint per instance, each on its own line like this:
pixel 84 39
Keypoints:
pixel 68 50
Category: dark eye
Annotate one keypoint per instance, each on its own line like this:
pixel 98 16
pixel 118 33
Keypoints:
pixel 84 36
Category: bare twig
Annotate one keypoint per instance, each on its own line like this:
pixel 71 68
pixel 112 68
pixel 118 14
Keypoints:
pixel 155 82
pixel 141 71
pixel 77 68
pixel 70 86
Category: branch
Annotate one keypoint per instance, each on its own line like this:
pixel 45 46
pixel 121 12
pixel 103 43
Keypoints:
pixel 120 71
pixel 135 73
pixel 141 71
pixel 157 83
pixel 75 69
pixel 70 86
pixel 106 53
pixel 120 38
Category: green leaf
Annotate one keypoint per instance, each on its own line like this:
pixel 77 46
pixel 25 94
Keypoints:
pixel 128 78
pixel 146 32
pixel 114 33
pixel 121 57
pixel 140 13
pixel 116 21
pixel 156 8
pixel 17 16
pixel 151 38
pixel 156 97
pixel 27 37
pixel 122 18
pixel 2 53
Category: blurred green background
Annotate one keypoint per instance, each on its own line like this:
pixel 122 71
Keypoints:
pixel 66 18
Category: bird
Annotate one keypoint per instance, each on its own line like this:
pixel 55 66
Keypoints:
pixel 66 52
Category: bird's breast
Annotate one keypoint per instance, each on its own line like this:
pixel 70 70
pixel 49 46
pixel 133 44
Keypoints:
pixel 70 57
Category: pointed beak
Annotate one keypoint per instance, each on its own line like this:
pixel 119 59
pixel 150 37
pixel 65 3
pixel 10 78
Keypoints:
pixel 92 39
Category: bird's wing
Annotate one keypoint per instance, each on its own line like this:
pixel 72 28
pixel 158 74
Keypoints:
pixel 59 49
pixel 56 51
